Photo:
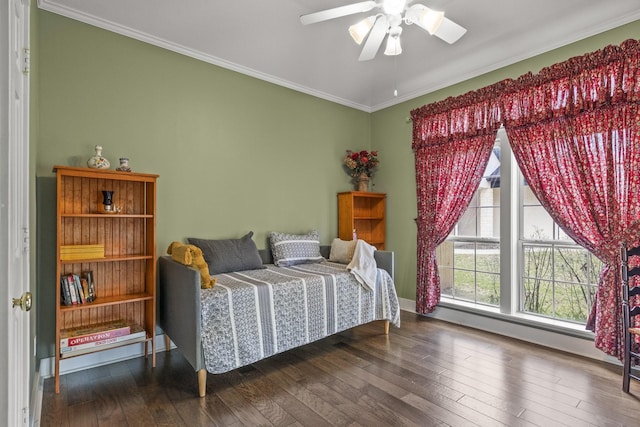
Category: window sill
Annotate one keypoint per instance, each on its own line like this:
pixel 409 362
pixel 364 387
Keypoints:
pixel 551 325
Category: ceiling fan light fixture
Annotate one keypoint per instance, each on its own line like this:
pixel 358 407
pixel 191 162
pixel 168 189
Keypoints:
pixel 393 42
pixel 387 23
pixel 360 30
pixel 393 7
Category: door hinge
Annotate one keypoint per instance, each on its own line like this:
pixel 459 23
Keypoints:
pixel 26 61
pixel 25 239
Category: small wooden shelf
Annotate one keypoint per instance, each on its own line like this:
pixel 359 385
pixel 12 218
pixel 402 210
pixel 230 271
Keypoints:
pixel 106 301
pixel 101 215
pixel 364 212
pixel 141 340
pixel 125 277
pixel 106 259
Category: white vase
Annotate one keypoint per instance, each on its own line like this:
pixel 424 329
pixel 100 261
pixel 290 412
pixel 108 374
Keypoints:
pixel 97 161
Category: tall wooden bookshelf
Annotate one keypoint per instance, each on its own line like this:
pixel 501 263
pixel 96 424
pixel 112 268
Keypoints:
pixel 125 277
pixel 364 212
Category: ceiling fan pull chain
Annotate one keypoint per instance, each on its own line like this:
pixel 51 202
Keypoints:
pixel 395 76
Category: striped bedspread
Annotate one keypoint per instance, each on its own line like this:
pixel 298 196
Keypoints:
pixel 254 314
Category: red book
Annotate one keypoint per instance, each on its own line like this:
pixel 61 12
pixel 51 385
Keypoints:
pixel 98 332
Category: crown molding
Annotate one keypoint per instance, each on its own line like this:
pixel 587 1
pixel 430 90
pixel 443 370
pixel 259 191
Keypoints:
pixel 57 8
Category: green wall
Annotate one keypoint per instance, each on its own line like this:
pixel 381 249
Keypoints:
pixel 391 134
pixel 233 153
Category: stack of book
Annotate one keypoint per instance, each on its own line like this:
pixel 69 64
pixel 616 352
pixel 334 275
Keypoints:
pixel 73 252
pixel 77 290
pixel 100 336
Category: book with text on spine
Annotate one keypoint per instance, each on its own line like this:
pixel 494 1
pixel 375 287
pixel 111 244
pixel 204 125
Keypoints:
pixel 136 332
pixel 97 332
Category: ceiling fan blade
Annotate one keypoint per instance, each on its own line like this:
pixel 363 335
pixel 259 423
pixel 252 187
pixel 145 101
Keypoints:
pixel 375 38
pixel 337 12
pixel 449 31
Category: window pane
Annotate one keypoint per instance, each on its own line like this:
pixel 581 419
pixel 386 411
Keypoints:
pixel 538 296
pixel 488 257
pixel 573 301
pixel 489 222
pixel 537 224
pixel 464 255
pixel 538 261
pixel 559 281
pixel 488 288
pixel 467 224
pixel 444 257
pixel 571 265
pixel 464 288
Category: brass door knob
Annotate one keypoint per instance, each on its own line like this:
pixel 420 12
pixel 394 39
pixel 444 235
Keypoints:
pixel 24 302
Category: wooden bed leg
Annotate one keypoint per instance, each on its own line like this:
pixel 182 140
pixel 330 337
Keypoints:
pixel 202 382
pixel 167 342
pixel 386 327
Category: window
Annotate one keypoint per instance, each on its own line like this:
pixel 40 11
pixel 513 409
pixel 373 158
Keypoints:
pixel 553 276
pixel 559 278
pixel 469 260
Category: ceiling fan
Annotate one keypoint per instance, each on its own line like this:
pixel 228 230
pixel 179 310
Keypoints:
pixel 387 21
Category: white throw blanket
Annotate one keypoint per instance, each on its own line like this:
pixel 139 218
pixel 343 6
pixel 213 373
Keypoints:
pixel 363 265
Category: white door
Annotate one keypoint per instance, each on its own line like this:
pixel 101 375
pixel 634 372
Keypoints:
pixel 14 212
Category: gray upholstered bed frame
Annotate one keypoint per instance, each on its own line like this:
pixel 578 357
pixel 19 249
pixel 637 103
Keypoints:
pixel 179 306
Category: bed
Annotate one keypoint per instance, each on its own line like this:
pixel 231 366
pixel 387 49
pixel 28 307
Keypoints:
pixel 250 315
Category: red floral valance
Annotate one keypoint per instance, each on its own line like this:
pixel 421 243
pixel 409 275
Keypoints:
pixel 472 114
pixel 609 75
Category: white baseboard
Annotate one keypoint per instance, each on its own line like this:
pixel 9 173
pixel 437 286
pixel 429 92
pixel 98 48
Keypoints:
pixel 576 341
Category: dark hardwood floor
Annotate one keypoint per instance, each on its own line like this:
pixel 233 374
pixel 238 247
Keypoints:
pixel 427 373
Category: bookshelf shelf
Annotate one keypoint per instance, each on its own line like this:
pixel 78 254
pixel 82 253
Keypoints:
pixel 106 259
pixel 101 215
pixel 364 212
pixel 125 278
pixel 145 341
pixel 107 301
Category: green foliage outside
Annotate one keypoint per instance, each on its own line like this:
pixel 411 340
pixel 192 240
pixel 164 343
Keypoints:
pixel 559 281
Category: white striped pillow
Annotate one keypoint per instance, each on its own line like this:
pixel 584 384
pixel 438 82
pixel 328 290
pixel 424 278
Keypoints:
pixel 291 249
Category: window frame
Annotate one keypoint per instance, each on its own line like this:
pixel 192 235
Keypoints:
pixel 512 244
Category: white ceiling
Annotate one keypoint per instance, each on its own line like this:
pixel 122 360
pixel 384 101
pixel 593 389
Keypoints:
pixel 265 39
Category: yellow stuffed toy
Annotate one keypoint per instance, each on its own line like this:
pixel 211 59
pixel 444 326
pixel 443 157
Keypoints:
pixel 192 256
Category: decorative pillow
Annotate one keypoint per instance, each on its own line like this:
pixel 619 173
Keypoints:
pixel 224 256
pixel 342 250
pixel 291 249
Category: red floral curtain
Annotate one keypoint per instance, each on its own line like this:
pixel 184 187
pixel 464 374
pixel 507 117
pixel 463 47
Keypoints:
pixel 452 142
pixel 575 132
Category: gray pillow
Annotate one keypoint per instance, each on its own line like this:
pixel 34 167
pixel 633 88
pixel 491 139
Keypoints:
pixel 291 249
pixel 224 256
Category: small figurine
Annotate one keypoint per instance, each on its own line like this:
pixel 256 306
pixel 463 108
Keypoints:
pixel 124 165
